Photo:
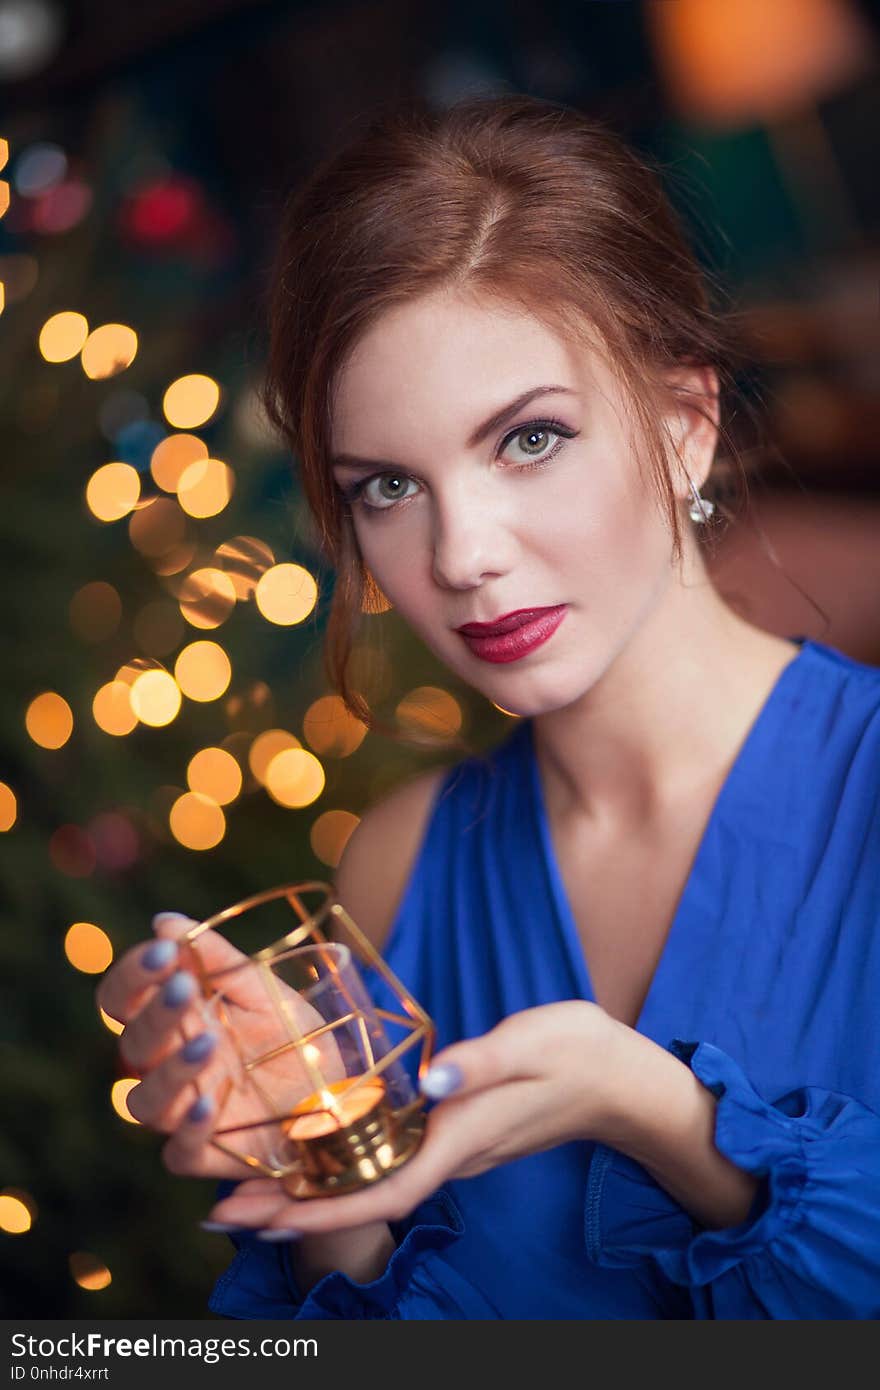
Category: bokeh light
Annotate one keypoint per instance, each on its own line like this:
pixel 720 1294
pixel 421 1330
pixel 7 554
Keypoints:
pixel 206 597
pixel 108 350
pixel 196 821
pixel 61 207
pixel 329 835
pixel 294 778
pixel 157 528
pixel 264 748
pixel 18 1211
pixel 252 709
pixel 175 560
pixel 205 487
pixel 190 401
pixel 244 559
pixel 113 491
pixel 155 698
pixel 112 1023
pixel 330 729
pixel 8 807
pixel 49 720
pixel 88 948
pixel 116 841
pixel 173 456
pixel 111 709
pixel 119 1097
pixel 88 1271
pixel 95 611
pixel 63 335
pixel 429 709
pixel 286 594
pixel 72 852
pixel 158 627
pixel 216 774
pixel 39 167
pixel 203 671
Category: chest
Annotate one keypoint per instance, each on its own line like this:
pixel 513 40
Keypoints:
pixel 623 892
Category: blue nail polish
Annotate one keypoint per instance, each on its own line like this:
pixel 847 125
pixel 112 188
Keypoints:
pixel 200 1110
pixel 287 1234
pixel 172 917
pixel 221 1228
pixel 179 988
pixel 159 954
pixel 442 1080
pixel 197 1049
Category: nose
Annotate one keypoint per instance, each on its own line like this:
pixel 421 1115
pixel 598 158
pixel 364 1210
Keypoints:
pixel 471 543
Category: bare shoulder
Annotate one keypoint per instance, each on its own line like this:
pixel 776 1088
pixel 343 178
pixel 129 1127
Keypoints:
pixel 380 853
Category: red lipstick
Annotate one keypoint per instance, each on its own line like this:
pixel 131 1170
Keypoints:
pixel 514 634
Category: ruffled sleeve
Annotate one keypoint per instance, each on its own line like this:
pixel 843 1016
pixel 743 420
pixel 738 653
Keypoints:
pixel 810 1245
pixel 416 1283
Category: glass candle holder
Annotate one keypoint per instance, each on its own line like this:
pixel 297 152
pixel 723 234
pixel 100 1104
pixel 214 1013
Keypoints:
pixel 316 1093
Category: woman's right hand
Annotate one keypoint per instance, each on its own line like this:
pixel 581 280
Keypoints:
pixel 153 991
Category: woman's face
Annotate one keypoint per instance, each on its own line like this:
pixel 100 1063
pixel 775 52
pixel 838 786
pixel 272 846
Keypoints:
pixel 545 507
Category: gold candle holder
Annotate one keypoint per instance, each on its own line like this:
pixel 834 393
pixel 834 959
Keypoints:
pixel 318 1097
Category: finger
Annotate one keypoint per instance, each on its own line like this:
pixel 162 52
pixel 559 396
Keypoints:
pixel 190 1153
pixel 169 1090
pixel 134 978
pixel 257 1202
pixel 472 1066
pixel 211 954
pixel 175 1012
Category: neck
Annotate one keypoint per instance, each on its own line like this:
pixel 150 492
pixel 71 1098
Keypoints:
pixel 668 715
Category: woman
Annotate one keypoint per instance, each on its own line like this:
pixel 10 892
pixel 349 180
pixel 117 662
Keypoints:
pixel 646 923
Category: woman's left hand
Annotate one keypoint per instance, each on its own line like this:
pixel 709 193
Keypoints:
pixel 542 1077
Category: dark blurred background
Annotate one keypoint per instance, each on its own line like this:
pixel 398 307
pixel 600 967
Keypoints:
pixel 150 616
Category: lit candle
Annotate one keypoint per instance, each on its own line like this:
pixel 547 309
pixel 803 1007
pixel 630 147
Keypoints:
pixel 331 1109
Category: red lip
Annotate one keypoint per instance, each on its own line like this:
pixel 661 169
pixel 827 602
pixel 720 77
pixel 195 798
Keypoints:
pixel 521 638
pixel 506 623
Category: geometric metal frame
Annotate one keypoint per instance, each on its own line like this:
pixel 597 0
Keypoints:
pixel 312 928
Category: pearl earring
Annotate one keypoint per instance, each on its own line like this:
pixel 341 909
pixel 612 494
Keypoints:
pixel 700 509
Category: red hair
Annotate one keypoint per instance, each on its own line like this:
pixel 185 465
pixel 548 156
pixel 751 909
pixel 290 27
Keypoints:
pixel 512 198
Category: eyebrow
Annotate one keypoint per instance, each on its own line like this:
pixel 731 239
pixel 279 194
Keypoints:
pixel 488 427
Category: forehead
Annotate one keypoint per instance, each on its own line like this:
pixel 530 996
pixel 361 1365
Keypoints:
pixel 448 358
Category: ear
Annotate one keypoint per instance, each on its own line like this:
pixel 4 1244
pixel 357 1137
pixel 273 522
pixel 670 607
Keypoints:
pixel 692 425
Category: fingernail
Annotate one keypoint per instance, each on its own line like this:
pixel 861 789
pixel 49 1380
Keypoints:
pixel 172 917
pixel 221 1228
pixel 200 1110
pixel 179 988
pixel 198 1048
pixel 287 1234
pixel 441 1081
pixel 158 954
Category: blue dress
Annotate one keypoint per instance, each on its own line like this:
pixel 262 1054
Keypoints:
pixel 768 988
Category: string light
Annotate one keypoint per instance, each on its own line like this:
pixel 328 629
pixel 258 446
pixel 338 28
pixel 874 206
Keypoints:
pixel 203 671
pixel 196 821
pixel 190 401
pixel 108 350
pixel 88 1271
pixel 8 807
pixel 329 835
pixel 295 778
pixel 264 748
pixel 430 709
pixel 63 335
pixel 244 559
pixel 113 491
pixel 112 1023
pixel 215 774
pixel 286 594
pixel 171 458
pixel 49 720
pixel 111 709
pixel 88 948
pixel 155 698
pixel 205 487
pixel 331 729
pixel 206 597
pixel 119 1097
pixel 18 1211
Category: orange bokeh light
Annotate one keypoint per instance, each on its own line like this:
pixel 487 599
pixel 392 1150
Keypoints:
pixel 88 948
pixel 286 594
pixel 203 671
pixel 49 720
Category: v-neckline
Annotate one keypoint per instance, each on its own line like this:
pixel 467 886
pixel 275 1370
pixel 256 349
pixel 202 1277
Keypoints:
pixel 747 751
